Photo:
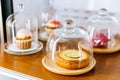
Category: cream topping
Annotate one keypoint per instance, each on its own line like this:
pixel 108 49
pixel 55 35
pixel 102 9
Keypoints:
pixel 23 33
pixel 53 23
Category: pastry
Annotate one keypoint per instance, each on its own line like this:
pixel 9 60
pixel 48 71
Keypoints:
pixel 102 44
pixel 71 59
pixel 100 40
pixel 51 25
pixel 114 46
pixel 23 39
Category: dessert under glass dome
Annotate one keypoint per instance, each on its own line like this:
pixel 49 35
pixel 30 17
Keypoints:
pixel 104 31
pixel 22 33
pixel 69 50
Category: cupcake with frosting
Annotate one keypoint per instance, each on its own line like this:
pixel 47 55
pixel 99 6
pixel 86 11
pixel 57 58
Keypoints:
pixel 23 39
pixel 52 25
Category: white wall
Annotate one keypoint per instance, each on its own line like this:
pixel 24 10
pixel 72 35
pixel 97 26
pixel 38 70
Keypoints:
pixel 32 6
pixel 37 6
pixel 111 5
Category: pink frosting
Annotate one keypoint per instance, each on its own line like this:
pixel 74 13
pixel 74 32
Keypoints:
pixel 23 33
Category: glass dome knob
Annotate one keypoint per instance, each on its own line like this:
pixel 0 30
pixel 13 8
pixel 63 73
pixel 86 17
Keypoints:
pixel 20 7
pixel 102 11
pixel 69 26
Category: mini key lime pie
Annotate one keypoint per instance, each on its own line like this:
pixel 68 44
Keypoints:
pixel 69 50
pixel 72 59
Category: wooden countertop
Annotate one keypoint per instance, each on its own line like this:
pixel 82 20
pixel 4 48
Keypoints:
pixel 106 68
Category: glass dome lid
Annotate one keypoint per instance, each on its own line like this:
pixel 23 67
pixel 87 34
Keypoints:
pixel 102 16
pixel 104 31
pixel 68 48
pixel 22 33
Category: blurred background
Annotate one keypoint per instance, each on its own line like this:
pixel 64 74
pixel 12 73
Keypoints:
pixel 80 10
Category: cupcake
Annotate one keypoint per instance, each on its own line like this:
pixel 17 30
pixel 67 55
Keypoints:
pixel 23 39
pixel 51 25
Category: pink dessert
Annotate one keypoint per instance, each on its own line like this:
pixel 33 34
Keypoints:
pixel 100 40
pixel 23 34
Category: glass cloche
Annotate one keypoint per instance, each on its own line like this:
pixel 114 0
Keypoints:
pixel 69 50
pixel 22 33
pixel 104 31
pixel 48 24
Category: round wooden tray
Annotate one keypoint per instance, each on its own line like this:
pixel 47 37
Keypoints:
pixel 56 69
pixel 116 48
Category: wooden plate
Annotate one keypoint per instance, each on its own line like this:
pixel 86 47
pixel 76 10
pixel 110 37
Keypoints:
pixel 116 48
pixel 56 69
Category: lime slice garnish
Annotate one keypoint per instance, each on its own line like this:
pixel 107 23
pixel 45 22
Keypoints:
pixel 72 53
